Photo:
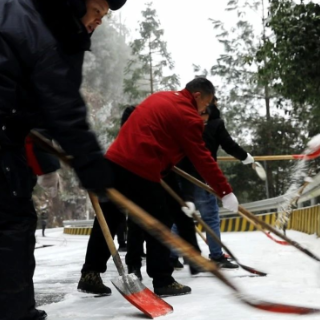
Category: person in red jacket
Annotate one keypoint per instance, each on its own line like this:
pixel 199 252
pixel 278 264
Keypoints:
pixel 162 130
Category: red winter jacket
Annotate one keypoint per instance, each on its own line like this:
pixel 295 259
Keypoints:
pixel 163 129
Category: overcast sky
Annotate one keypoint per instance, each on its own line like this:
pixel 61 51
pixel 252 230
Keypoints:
pixel 188 31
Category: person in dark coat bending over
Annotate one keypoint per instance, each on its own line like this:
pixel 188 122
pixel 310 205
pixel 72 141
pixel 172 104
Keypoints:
pixel 42 45
pixel 162 130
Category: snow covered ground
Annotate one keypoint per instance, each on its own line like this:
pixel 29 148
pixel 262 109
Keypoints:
pixel 293 278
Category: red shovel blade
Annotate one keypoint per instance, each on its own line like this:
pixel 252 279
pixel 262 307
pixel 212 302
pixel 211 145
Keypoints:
pixel 141 297
pixel 284 243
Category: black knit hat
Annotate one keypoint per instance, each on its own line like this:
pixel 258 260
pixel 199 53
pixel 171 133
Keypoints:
pixel 116 4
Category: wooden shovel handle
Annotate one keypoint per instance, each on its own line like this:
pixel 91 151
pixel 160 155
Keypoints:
pixel 163 234
pixel 107 234
pixel 261 158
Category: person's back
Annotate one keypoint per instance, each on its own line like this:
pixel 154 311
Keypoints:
pixel 156 120
pixel 162 130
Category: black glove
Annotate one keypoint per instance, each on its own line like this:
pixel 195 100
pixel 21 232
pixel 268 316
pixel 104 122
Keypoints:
pixel 95 174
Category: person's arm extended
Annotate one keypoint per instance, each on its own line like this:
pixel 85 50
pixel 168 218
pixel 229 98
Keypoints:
pixel 194 147
pixel 227 143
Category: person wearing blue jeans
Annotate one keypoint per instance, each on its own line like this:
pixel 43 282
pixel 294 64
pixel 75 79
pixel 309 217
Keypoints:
pixel 207 205
pixel 215 135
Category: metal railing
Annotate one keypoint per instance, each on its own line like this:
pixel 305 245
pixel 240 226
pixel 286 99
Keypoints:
pixel 263 206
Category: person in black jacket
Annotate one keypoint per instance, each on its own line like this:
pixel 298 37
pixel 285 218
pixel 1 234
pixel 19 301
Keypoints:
pixel 42 45
pixel 215 135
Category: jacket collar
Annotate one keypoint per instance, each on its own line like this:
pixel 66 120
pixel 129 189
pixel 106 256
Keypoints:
pixel 62 17
pixel 186 93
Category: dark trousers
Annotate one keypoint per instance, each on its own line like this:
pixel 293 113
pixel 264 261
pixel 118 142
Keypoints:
pixel 151 197
pixel 122 233
pixel 43 226
pixel 18 222
pixel 185 225
pixel 136 238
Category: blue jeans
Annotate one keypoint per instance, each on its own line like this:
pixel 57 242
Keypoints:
pixel 174 254
pixel 207 204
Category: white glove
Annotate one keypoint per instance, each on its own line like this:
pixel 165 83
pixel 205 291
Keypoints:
pixel 197 213
pixel 230 202
pixel 249 159
pixel 189 210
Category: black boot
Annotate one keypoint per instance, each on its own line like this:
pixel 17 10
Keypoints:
pixel 91 282
pixel 173 289
pixel 224 263
pixel 136 271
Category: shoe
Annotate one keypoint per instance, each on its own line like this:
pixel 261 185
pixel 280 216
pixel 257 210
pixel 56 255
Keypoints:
pixel 225 263
pixel 173 289
pixel 176 264
pixel 91 282
pixel 136 271
pixel 36 314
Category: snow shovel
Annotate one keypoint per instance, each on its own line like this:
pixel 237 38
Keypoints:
pixel 307 156
pixel 163 234
pixel 128 284
pixel 260 224
pixel 210 231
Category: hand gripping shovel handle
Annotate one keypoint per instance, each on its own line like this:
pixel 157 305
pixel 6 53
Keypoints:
pixel 129 286
pixel 163 234
pixel 210 231
pixel 308 156
pixel 260 224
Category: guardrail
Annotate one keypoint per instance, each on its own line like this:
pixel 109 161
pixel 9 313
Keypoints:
pixel 311 192
pixel 232 221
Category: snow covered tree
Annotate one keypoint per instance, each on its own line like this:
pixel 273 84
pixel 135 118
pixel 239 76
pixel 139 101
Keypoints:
pixel 292 58
pixel 146 70
pixel 249 102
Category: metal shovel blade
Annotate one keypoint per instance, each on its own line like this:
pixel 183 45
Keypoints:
pixel 141 297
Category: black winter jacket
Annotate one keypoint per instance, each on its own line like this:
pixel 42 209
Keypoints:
pixel 215 134
pixel 40 75
pixel 42 44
